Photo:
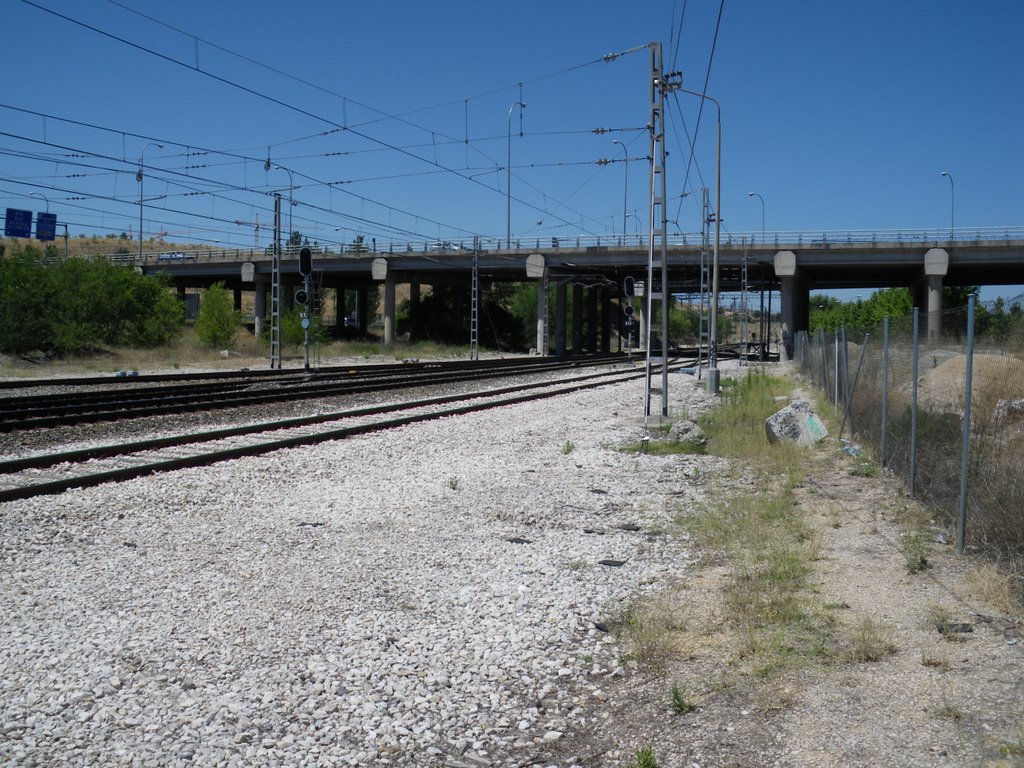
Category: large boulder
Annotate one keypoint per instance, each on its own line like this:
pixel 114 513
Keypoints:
pixel 689 433
pixel 795 423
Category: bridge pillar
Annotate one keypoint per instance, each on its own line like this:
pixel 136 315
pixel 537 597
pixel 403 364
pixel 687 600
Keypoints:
pixel 561 312
pixel 389 309
pixel 363 310
pixel 542 315
pixel 606 320
pixel 795 309
pixel 260 285
pixel 592 319
pixel 936 264
pixel 577 318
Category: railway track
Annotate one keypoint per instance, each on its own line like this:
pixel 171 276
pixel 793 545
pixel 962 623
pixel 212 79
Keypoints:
pixel 56 472
pixel 183 395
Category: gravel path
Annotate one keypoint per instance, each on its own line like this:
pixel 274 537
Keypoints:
pixel 427 596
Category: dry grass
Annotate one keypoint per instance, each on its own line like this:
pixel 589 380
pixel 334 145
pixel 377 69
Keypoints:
pixel 654 629
pixel 188 353
pixel 997 588
pixel 870 640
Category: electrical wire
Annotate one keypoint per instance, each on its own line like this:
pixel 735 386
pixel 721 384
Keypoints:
pixel 472 179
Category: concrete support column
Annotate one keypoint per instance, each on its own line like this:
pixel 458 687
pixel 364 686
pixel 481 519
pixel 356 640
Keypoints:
pixel 606 320
pixel 561 317
pixel 936 264
pixel 339 311
pixel 362 311
pixel 389 309
pixel 795 309
pixel 577 318
pixel 542 316
pixel 592 319
pixel 260 287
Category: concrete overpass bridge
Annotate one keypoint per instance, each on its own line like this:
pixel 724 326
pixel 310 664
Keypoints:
pixel 793 263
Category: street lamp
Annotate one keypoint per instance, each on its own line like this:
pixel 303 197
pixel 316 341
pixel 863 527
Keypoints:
pixel 40 194
pixel 755 194
pixel 952 201
pixel 625 183
pixel 508 168
pixel 138 178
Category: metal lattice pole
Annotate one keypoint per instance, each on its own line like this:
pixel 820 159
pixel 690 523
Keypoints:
pixel 275 288
pixel 474 319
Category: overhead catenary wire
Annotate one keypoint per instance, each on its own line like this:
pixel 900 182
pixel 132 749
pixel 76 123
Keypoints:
pixel 473 179
pixel 180 178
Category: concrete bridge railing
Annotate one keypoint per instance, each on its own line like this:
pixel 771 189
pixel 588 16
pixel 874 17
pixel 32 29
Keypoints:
pixel 730 240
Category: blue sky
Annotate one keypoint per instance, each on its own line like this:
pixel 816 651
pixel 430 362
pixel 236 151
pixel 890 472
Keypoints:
pixel 393 117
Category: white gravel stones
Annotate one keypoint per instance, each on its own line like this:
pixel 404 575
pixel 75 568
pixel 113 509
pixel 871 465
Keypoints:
pixel 426 596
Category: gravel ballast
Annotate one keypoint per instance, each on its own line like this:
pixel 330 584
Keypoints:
pixel 432 595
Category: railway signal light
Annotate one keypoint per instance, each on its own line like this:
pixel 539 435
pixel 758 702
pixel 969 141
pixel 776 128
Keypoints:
pixel 301 297
pixel 305 261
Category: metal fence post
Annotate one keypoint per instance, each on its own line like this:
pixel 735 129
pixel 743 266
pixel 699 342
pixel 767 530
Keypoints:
pixel 885 390
pixel 824 360
pixel 835 383
pixel 965 445
pixel 846 370
pixel 914 352
pixel 849 396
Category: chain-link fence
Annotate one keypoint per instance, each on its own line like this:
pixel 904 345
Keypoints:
pixel 900 392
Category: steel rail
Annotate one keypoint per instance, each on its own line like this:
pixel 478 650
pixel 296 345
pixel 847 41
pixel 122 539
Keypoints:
pixel 271 373
pixel 168 404
pixel 506 395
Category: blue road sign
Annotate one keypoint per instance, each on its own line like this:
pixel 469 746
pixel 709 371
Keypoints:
pixel 46 226
pixel 18 223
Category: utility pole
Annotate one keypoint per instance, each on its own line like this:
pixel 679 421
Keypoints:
pixel 275 289
pixel 660 84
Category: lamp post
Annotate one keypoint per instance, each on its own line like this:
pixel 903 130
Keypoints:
pixel 508 168
pixel 761 319
pixel 713 373
pixel 625 184
pixel 40 194
pixel 755 194
pixel 952 201
pixel 138 178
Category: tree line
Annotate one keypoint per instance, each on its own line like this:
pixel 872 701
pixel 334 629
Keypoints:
pixel 72 306
pixel 997 320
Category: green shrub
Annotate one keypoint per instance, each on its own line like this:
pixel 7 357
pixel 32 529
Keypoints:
pixel 217 322
pixel 73 305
